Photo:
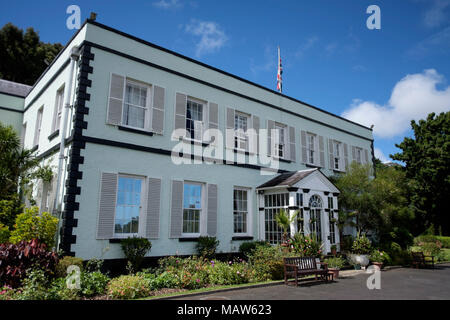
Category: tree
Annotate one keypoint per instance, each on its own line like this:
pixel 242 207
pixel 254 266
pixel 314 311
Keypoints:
pixel 427 165
pixel 378 205
pixel 23 57
pixel 284 220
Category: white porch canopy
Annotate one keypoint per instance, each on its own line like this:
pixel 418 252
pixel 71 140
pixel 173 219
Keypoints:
pixel 312 194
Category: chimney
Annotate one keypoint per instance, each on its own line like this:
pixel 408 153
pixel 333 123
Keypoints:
pixel 93 16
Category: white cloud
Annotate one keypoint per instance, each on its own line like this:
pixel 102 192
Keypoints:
pixel 438 43
pixel 413 97
pixel 380 155
pixel 269 63
pixel 436 15
pixel 212 37
pixel 167 4
pixel 310 42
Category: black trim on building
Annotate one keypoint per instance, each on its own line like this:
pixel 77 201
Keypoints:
pixel 10 109
pixel 53 135
pixel 126 35
pixel 74 173
pixel 147 133
pixel 305 190
pixel 194 239
pixel 292 189
pixel 165 152
pixel 242 238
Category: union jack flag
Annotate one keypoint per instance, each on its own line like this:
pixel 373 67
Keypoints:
pixel 279 73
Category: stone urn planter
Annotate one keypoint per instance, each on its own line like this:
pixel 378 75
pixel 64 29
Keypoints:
pixel 361 260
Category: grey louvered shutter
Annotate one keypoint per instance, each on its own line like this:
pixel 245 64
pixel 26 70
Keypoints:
pixel 353 153
pixel 345 156
pixel 331 155
pixel 270 127
pixel 180 111
pixel 256 126
pixel 115 101
pixel 292 150
pixel 230 129
pixel 322 152
pixel 366 156
pixel 107 208
pixel 158 109
pixel 213 116
pixel 153 208
pixel 176 214
pixel 213 120
pixel 211 226
pixel 304 152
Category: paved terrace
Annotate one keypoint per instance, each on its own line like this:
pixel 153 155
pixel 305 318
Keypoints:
pixel 399 283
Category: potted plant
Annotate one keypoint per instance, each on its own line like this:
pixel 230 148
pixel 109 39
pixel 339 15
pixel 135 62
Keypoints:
pixel 361 248
pixel 377 258
pixel 333 249
pixel 334 265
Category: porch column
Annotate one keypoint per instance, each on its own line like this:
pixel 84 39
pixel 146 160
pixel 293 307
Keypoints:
pixel 260 214
pixel 293 207
pixel 336 216
pixel 306 212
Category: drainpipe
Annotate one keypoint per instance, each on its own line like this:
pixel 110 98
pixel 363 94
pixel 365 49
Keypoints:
pixel 74 56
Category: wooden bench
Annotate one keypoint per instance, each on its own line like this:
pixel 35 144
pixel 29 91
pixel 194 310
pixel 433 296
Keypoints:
pixel 421 260
pixel 303 266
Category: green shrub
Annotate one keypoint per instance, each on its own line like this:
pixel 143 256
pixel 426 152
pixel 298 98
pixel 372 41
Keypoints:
pixel 32 225
pixel 379 256
pixel 164 280
pixel 8 293
pixel 4 233
pixel 267 263
pixel 420 240
pixel 306 246
pixel 94 265
pixel 431 248
pixel 247 247
pixel 128 287
pixel 361 245
pixel 222 273
pixel 65 262
pixel 58 290
pixel 93 283
pixel 135 250
pixel 335 262
pixel 9 209
pixel 207 246
pixel 35 286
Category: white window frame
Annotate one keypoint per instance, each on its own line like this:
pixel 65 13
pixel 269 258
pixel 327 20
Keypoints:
pixel 147 108
pixel 202 215
pixel 240 135
pixel 281 141
pixel 141 206
pixel 37 132
pixel 203 122
pixel 273 208
pixel 248 219
pixel 59 105
pixel 311 148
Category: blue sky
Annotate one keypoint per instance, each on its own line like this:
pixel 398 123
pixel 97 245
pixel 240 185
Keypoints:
pixel 331 59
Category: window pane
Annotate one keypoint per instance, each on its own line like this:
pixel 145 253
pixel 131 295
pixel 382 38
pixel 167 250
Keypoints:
pixel 128 205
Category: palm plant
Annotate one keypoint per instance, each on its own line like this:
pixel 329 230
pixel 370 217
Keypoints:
pixel 284 221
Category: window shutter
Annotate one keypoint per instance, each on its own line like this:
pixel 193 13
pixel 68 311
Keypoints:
pixel 270 126
pixel 230 126
pixel 153 208
pixel 213 116
pixel 158 109
pixel 353 153
pixel 342 158
pixel 292 150
pixel 107 208
pixel 345 156
pixel 304 152
pixel 256 126
pixel 330 149
pixel 51 200
pixel 366 156
pixel 176 215
pixel 180 111
pixel 211 227
pixel 322 151
pixel 115 102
